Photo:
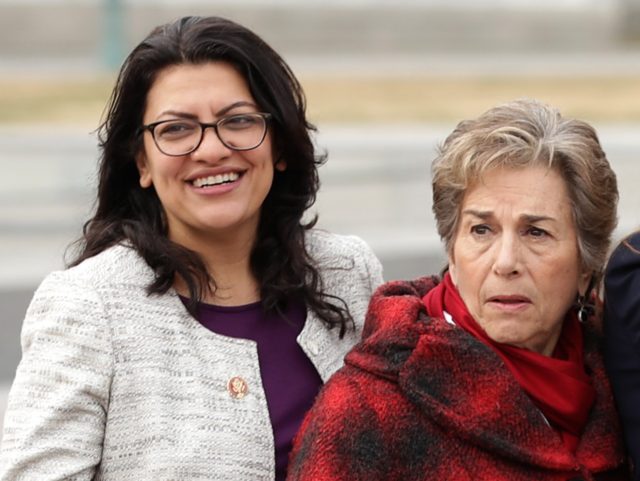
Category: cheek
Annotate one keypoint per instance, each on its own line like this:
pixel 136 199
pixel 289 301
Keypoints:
pixel 264 163
pixel 466 275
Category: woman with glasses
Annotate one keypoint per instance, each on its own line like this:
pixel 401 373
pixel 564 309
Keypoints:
pixel 202 314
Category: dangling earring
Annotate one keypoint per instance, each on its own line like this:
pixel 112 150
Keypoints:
pixel 582 315
pixel 584 309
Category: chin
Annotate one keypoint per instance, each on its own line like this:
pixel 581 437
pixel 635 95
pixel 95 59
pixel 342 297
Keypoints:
pixel 506 337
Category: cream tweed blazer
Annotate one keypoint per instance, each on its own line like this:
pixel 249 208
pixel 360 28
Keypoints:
pixel 116 385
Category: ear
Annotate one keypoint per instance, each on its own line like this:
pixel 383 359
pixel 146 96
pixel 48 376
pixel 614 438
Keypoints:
pixel 583 282
pixel 143 170
pixel 281 165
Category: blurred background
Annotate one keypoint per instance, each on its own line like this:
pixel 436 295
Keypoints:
pixel 386 81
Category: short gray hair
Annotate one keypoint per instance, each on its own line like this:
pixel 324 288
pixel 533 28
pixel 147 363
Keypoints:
pixel 527 133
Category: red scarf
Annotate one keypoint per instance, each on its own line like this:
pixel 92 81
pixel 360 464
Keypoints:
pixel 557 385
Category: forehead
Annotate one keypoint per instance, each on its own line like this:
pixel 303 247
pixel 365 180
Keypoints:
pixel 529 191
pixel 211 81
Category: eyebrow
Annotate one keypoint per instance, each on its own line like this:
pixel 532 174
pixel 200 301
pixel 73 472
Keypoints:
pixel 224 110
pixel 177 113
pixel 481 214
pixel 528 218
pixel 240 103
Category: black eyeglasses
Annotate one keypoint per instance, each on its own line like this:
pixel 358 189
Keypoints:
pixel 178 137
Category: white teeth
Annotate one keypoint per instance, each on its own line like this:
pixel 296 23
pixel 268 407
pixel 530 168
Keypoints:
pixel 216 179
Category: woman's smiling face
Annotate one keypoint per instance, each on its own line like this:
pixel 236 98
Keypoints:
pixel 515 258
pixel 213 190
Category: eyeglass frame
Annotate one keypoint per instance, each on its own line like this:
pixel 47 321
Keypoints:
pixel 266 117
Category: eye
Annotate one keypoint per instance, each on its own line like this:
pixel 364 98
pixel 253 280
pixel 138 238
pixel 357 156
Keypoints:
pixel 175 129
pixel 537 232
pixel 241 122
pixel 480 229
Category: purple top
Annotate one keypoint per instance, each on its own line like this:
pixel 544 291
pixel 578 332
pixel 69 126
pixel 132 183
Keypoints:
pixel 290 380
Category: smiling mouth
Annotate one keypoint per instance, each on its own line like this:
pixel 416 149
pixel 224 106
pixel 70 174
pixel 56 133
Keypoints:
pixel 214 180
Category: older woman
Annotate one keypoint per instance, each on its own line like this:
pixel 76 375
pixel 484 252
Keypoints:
pixel 493 372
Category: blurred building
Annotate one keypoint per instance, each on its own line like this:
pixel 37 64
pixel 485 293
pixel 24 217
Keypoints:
pixel 95 33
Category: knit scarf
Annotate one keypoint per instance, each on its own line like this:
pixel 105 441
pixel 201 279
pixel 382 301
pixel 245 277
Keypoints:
pixel 557 385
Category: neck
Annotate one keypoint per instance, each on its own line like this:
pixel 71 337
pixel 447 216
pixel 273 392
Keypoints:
pixel 227 259
pixel 547 348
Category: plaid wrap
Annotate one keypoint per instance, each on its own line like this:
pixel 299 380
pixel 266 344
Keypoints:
pixel 421 399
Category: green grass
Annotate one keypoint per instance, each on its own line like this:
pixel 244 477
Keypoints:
pixel 349 99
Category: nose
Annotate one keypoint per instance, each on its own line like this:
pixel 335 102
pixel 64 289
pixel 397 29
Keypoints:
pixel 507 260
pixel 210 147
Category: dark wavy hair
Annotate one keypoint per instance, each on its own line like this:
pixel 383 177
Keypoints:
pixel 125 212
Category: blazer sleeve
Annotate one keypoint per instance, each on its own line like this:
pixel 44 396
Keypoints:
pixel 622 340
pixel 372 265
pixel 56 413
